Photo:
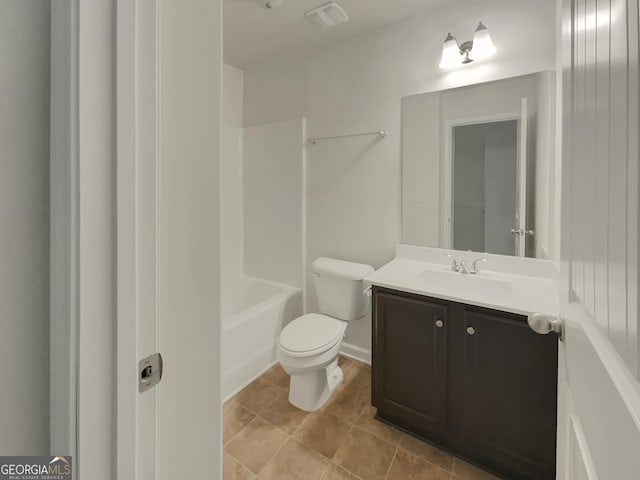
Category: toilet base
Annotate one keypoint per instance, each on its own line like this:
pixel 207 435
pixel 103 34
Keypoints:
pixel 310 390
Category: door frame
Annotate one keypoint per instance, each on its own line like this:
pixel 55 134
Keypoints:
pixel 83 235
pixel 64 251
pixel 447 166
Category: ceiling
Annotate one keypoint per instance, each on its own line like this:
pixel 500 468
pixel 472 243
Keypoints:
pixel 254 34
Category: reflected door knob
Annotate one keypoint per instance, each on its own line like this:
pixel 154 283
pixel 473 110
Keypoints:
pixel 471 331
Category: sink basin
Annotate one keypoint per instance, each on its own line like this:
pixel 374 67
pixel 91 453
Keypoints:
pixel 478 284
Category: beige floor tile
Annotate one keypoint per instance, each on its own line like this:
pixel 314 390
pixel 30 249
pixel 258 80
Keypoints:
pixel 347 403
pixel 365 455
pixel 235 418
pixel 294 461
pixel 277 376
pixel 324 433
pixel 382 430
pixel 350 369
pixel 257 395
pixel 256 443
pixel 465 471
pixel 355 373
pixel 284 415
pixel 344 361
pixel 406 466
pixel 427 452
pixel 336 472
pixel 232 470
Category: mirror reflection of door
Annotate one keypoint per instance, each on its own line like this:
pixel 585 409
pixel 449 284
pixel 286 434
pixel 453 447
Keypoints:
pixel 485 187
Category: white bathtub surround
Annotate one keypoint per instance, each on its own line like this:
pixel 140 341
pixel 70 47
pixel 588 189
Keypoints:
pixel 512 284
pixel 254 313
pixel 262 268
pixel 272 188
pixel 262 186
pixel 231 203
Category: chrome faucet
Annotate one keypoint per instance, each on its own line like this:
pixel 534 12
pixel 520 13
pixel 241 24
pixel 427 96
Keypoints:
pixel 461 266
pixel 454 262
pixel 474 265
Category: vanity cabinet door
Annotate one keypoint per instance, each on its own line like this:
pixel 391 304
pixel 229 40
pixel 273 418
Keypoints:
pixel 509 404
pixel 410 362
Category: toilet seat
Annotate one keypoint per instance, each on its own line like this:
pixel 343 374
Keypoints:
pixel 311 334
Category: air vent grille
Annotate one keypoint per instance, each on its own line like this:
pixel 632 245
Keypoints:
pixel 327 15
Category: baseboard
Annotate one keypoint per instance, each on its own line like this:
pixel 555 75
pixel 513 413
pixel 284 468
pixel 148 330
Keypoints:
pixel 357 353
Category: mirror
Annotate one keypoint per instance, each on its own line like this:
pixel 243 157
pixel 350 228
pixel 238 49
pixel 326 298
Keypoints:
pixel 478 167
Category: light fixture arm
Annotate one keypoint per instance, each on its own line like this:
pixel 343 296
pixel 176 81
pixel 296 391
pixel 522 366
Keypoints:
pixel 465 51
pixel 454 54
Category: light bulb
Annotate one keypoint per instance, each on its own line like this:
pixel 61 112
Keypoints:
pixel 483 47
pixel 450 53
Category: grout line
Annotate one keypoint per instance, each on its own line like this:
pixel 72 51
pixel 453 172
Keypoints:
pixel 273 456
pixel 421 457
pixel 352 426
pixel 393 459
pixel 239 463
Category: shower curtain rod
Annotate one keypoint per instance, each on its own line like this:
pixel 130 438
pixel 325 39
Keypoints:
pixel 380 133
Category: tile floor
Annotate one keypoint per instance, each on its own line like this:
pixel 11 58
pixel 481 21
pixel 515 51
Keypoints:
pixel 265 437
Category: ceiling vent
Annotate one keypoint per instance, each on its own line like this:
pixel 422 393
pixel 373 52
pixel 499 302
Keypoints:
pixel 327 15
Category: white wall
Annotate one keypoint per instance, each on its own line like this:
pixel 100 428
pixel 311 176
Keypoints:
pixel 232 96
pixel 24 231
pixel 354 186
pixel 273 201
pixel 231 202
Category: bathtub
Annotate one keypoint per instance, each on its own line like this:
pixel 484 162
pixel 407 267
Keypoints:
pixel 254 312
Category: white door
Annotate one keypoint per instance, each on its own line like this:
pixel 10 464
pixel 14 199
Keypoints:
pixel 521 232
pixel 599 392
pixel 169 103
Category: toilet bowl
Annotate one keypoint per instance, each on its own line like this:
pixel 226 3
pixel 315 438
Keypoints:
pixel 308 347
pixel 308 351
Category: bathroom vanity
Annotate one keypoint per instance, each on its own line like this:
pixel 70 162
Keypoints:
pixel 456 363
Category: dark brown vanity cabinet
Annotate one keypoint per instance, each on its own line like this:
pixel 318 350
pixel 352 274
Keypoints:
pixel 475 381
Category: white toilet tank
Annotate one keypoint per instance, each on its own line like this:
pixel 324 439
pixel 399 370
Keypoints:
pixel 340 288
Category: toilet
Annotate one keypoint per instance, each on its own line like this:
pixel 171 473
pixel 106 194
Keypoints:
pixel 308 347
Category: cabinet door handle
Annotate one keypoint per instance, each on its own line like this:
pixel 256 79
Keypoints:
pixel 471 331
pixel 439 323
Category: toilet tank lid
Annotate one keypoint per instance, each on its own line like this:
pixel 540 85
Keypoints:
pixel 341 268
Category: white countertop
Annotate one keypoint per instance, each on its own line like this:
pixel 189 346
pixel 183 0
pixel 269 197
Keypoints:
pixel 533 291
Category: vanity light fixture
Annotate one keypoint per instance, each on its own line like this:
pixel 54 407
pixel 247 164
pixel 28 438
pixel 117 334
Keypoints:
pixel 454 55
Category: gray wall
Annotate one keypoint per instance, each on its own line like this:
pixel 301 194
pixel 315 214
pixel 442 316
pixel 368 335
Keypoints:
pixel 469 188
pixel 24 227
pixel 501 186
